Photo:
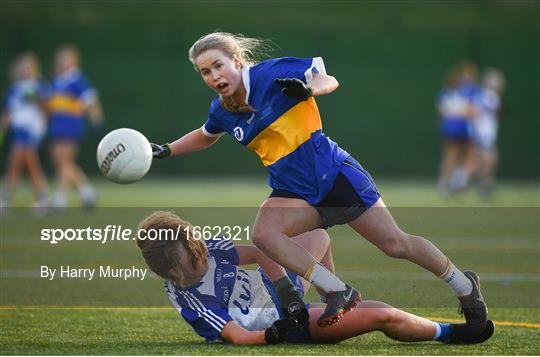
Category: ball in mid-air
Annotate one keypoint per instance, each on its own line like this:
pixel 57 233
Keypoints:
pixel 124 155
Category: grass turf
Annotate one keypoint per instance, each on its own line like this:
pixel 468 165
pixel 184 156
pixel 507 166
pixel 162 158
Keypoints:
pixel 498 238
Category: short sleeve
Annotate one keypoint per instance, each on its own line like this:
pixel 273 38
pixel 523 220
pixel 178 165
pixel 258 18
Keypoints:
pixel 301 68
pixel 206 318
pixel 207 323
pixel 212 126
pixel 219 247
pixel 86 92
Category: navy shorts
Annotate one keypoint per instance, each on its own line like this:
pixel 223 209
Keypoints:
pixel 67 128
pixel 352 194
pixel 459 130
pixel 25 138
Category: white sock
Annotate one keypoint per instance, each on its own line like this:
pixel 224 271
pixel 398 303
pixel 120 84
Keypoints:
pixel 437 331
pixel 457 281
pixel 87 193
pixel 59 200
pixel 325 280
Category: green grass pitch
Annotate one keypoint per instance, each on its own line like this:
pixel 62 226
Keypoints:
pixel 499 238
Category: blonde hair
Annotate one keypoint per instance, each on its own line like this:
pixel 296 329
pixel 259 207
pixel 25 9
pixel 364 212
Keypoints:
pixel 247 50
pixel 456 74
pixel 494 79
pixel 15 67
pixel 162 255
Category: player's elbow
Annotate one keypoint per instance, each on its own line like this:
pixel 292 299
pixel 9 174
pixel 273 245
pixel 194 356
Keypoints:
pixel 335 83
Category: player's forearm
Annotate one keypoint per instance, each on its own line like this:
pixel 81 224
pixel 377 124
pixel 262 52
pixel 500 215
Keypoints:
pixel 95 112
pixel 4 121
pixel 191 142
pixel 248 338
pixel 237 335
pixel 323 84
pixel 270 267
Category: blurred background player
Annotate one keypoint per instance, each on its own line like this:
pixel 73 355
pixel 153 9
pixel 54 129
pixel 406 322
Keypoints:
pixel 457 111
pixel 23 111
pixel 485 126
pixel 72 98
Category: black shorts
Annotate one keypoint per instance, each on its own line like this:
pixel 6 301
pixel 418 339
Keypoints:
pixel 352 194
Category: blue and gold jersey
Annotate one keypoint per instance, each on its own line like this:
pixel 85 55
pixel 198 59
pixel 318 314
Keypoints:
pixel 284 132
pixel 71 93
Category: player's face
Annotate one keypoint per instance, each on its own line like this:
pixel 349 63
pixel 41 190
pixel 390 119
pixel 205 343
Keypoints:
pixel 221 73
pixel 27 69
pixel 64 61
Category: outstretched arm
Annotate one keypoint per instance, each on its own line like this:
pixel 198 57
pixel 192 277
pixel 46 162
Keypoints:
pixel 191 142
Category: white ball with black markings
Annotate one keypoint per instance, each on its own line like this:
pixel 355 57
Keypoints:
pixel 124 155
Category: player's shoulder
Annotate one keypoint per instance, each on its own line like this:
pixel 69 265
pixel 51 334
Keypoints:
pixel 278 63
pixel 219 244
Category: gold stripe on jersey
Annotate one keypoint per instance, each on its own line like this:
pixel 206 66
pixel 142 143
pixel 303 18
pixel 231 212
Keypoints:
pixel 287 133
pixel 66 104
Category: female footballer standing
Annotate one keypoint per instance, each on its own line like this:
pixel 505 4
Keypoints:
pixel 270 108
pixel 72 99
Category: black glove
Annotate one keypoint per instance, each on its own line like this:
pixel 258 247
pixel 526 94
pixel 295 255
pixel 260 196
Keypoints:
pixel 292 304
pixel 278 331
pixel 294 88
pixel 160 151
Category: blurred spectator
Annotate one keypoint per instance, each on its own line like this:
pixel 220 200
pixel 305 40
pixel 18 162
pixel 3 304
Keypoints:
pixel 485 127
pixel 23 112
pixel 72 98
pixel 457 111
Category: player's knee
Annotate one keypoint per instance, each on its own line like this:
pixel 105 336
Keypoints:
pixel 395 247
pixel 386 316
pixel 261 237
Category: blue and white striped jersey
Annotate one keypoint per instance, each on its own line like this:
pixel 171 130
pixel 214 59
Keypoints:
pixel 226 292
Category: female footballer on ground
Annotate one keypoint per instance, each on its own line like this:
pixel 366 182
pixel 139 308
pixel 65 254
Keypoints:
pixel 220 300
pixel 270 108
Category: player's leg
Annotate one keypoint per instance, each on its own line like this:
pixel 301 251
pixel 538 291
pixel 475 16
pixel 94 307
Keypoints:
pixel 60 159
pixel 39 182
pixel 487 175
pixel 396 324
pixel 450 160
pixel 378 226
pixel 14 169
pixel 317 243
pixel 373 316
pixel 35 171
pixel 280 218
pixel 79 179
